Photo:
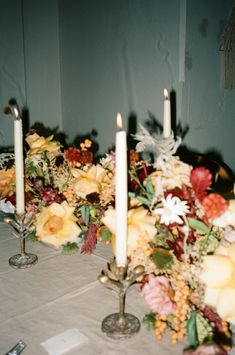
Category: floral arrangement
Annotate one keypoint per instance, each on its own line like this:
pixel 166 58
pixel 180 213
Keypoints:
pixel 181 231
pixel 66 193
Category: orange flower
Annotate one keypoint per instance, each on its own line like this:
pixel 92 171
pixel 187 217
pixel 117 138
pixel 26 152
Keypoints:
pixel 214 205
pixel 7 181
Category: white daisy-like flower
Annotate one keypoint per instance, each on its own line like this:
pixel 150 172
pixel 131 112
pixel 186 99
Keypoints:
pixel 173 208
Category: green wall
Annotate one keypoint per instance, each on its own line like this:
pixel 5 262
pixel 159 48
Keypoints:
pixel 76 63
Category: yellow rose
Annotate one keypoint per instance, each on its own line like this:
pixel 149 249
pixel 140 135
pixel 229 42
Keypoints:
pixel 56 224
pixel 89 181
pixel 7 181
pixel 139 224
pixel 218 275
pixel 40 144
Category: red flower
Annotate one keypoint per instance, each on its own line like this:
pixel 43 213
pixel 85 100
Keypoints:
pixel 178 247
pixel 214 205
pixel 73 155
pixel 200 179
pixel 51 195
pixel 86 157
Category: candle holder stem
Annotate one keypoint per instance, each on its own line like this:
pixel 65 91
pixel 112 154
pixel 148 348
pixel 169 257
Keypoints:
pixel 120 325
pixel 22 246
pixel 122 298
pixel 22 226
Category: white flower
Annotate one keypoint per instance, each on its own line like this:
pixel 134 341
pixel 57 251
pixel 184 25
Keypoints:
pixel 228 218
pixel 6 206
pixel 171 210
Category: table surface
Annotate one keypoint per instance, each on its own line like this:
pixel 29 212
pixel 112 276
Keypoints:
pixel 61 292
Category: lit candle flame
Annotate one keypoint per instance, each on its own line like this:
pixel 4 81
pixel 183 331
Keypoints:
pixel 166 95
pixel 119 121
pixel 16 112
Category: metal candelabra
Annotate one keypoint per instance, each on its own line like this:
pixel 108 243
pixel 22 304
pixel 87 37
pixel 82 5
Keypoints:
pixel 120 325
pixel 22 226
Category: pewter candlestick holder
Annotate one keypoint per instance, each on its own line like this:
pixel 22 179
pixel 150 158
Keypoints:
pixel 22 225
pixel 120 325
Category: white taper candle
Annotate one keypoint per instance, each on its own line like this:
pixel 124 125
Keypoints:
pixel 19 162
pixel 166 115
pixel 121 194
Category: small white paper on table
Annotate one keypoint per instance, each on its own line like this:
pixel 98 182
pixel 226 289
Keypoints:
pixel 63 342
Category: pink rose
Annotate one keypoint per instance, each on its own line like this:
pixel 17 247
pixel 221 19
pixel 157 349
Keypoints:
pixel 206 349
pixel 158 295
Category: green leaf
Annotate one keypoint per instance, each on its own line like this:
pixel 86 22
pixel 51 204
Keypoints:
pixel 204 329
pixel 32 237
pixel 162 258
pixel 149 186
pixel 149 321
pixel 31 169
pixel 208 244
pixel 192 330
pixel 105 234
pixel 199 226
pixel 70 248
pixel 93 212
pixel 142 199
pixel 85 212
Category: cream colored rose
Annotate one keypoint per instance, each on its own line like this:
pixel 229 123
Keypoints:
pixel 218 275
pixel 40 144
pixel 175 173
pixel 89 181
pixel 140 224
pixel 228 218
pixel 56 224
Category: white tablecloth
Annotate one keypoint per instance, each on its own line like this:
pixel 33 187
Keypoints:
pixel 61 292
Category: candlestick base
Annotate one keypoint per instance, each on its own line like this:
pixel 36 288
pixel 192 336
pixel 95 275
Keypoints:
pixel 120 325
pixel 115 327
pixel 22 226
pixel 19 261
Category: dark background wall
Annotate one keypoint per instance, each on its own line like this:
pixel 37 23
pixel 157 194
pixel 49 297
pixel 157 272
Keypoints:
pixel 75 63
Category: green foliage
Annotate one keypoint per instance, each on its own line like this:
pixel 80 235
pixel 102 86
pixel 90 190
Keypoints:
pixel 199 329
pixel 146 193
pixel 143 200
pixel 149 187
pixel 149 321
pixel 85 212
pixel 192 330
pixel 162 258
pixel 32 237
pixel 162 236
pixel 204 329
pixel 31 170
pixel 199 226
pixel 208 244
pixel 70 248
pixel 105 234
